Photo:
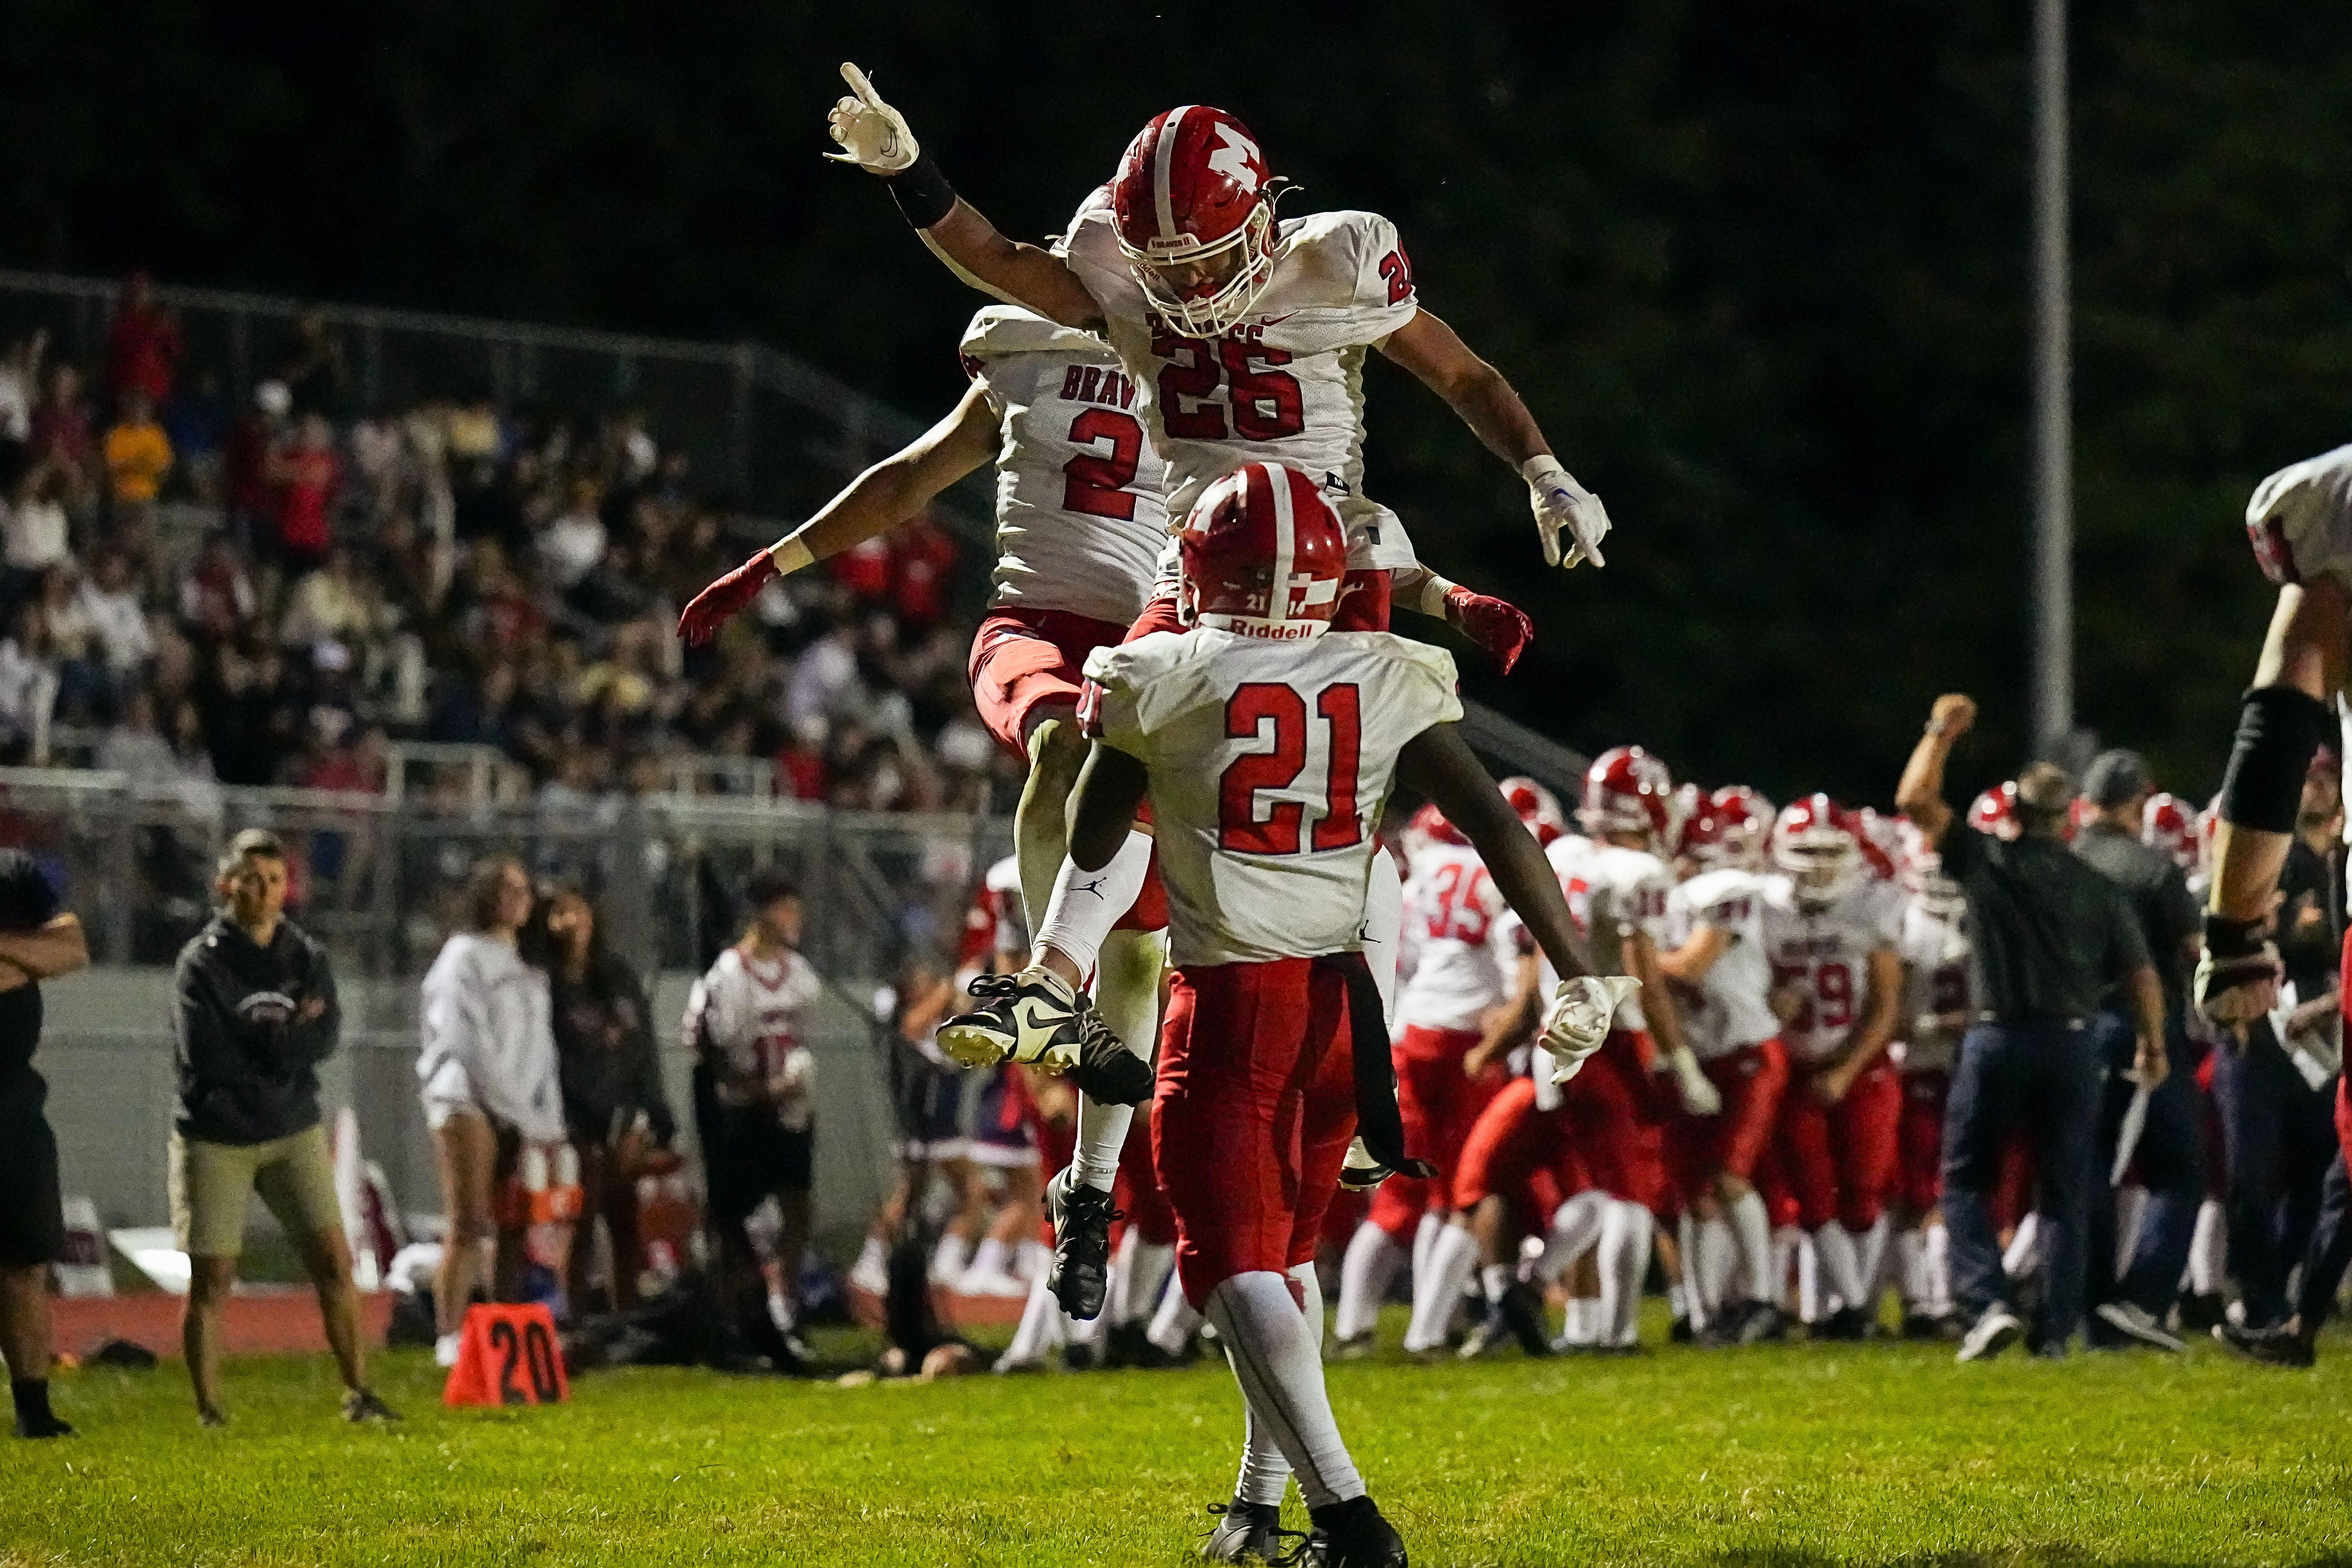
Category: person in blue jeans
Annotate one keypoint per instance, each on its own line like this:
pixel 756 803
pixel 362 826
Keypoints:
pixel 2051 935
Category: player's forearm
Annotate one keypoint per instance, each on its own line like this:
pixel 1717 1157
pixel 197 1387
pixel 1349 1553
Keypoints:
pixel 1690 961
pixel 1881 1018
pixel 1019 274
pixel 58 948
pixel 1490 406
pixel 1658 1008
pixel 2147 1003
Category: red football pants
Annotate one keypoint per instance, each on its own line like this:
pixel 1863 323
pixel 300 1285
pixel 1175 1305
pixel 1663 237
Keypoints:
pixel 1256 1101
pixel 1732 1141
pixel 1439 1105
pixel 1919 1141
pixel 1837 1160
pixel 1136 1189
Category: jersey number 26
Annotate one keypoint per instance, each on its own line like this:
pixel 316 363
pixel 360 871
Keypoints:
pixel 1254 705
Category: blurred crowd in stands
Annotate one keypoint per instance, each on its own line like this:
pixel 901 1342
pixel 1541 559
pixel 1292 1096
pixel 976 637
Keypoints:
pixel 198 591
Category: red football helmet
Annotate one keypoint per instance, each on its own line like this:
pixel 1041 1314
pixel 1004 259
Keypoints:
pixel 2168 824
pixel 1729 827
pixel 1537 806
pixel 1817 844
pixel 1995 810
pixel 1431 824
pixel 1626 790
pixel 1194 211
pixel 1262 555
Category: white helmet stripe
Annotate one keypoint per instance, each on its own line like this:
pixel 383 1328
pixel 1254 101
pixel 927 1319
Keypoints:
pixel 1285 543
pixel 1162 156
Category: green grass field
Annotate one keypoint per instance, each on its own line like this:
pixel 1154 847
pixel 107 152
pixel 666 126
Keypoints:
pixel 1865 1454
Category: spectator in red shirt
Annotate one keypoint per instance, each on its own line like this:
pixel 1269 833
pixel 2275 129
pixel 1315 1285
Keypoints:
pixel 245 464
pixel 61 432
pixel 922 559
pixel 305 476
pixel 800 766
pixel 142 349
pixel 865 569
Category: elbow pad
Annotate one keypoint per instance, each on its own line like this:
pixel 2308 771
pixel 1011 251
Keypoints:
pixel 2279 731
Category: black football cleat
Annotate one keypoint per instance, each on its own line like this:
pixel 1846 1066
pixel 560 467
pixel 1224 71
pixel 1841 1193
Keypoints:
pixel 1847 1325
pixel 2271 1347
pixel 1081 1213
pixel 1250 1532
pixel 1352 1534
pixel 1036 1018
pixel 43 1425
pixel 363 1408
pixel 1522 1312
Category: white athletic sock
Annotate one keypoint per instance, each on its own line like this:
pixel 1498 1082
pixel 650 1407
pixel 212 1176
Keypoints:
pixel 1040 1331
pixel 2208 1249
pixel 1147 1275
pixel 1840 1265
pixel 2024 1253
pixel 1936 1270
pixel 1583 1325
pixel 1752 1229
pixel 1437 1294
pixel 1127 995
pixel 1384 928
pixel 989 1258
pixel 1689 1298
pixel 1365 1275
pixel 1575 1227
pixel 1122 1270
pixel 2131 1209
pixel 1424 1236
pixel 1086 904
pixel 1495 1278
pixel 1810 1306
pixel 1719 1260
pixel 1172 1324
pixel 948 1261
pixel 1624 1258
pixel 1911 1271
pixel 1281 1375
pixel 1873 1246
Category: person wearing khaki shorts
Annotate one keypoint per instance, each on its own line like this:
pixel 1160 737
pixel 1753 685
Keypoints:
pixel 254 1014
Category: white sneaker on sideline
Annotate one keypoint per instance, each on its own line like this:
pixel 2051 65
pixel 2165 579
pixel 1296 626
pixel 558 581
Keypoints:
pixel 444 1350
pixel 1993 1333
pixel 2129 1318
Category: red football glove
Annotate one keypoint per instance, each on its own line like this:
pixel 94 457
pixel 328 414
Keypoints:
pixel 1502 628
pixel 700 621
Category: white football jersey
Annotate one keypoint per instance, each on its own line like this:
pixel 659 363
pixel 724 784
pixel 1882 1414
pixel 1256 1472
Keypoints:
pixel 1285 386
pixel 755 1020
pixel 1940 979
pixel 1613 892
pixel 1079 521
pixel 1270 765
pixel 1733 1008
pixel 1826 953
pixel 1463 957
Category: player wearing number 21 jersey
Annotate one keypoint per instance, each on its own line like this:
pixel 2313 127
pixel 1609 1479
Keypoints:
pixel 1832 931
pixel 1268 745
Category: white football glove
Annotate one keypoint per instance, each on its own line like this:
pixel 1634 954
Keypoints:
pixel 1700 1097
pixel 872 135
pixel 1560 502
pixel 1580 1017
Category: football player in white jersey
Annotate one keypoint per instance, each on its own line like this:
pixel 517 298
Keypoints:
pixel 1726 977
pixel 1939 974
pixel 1462 965
pixel 1833 929
pixel 1268 745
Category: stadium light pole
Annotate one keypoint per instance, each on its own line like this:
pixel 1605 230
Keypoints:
pixel 2053 490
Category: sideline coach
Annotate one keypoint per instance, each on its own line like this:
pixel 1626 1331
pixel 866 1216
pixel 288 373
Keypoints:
pixel 2050 933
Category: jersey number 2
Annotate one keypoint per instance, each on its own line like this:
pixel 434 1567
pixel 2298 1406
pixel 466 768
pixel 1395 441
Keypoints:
pixel 1095 484
pixel 1253 706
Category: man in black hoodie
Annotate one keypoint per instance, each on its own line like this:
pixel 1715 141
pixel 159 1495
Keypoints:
pixel 254 1014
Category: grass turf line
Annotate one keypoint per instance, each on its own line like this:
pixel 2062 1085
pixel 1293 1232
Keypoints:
pixel 1798 1455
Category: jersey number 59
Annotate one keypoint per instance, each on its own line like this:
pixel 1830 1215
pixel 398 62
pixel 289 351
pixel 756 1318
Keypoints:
pixel 1254 706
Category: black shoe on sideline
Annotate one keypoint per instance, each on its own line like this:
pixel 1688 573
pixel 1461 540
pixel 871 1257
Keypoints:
pixel 1250 1532
pixel 1522 1312
pixel 1352 1534
pixel 1081 1213
pixel 2271 1347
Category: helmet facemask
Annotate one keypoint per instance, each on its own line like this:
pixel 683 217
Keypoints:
pixel 1207 291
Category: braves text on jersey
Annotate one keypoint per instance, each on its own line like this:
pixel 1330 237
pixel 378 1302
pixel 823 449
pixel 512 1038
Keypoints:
pixel 1270 765
pixel 1463 958
pixel 1285 387
pixel 1825 953
pixel 754 1019
pixel 1079 519
pixel 1735 1007
pixel 1939 983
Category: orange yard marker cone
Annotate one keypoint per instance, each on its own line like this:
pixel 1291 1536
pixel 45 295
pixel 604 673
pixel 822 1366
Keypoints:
pixel 508 1355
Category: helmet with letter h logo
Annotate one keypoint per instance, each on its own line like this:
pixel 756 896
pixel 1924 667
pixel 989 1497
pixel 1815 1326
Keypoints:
pixel 1627 790
pixel 1817 844
pixel 1195 211
pixel 1263 556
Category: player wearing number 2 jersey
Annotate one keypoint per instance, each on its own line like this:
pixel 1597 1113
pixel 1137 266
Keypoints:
pixel 1268 745
pixel 1832 931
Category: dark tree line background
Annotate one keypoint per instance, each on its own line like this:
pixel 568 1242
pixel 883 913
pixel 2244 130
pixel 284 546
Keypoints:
pixel 1760 270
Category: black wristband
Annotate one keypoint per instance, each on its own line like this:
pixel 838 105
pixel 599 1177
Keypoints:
pixel 2228 939
pixel 922 192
